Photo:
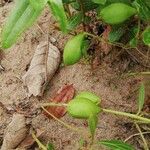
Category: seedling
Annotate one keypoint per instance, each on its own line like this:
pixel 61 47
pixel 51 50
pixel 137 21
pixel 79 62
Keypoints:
pixel 86 106
pixel 118 14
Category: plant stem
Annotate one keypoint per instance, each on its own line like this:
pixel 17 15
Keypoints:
pixel 83 12
pixel 54 104
pixel 137 134
pixel 142 136
pixel 132 116
pixel 139 27
pixel 138 73
pixel 38 142
pixel 63 123
pixel 113 44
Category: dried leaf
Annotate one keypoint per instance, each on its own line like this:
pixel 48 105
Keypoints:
pixel 15 132
pixel 29 141
pixel 64 95
pixel 105 46
pixel 42 68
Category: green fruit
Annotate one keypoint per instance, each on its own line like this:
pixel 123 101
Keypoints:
pixel 117 13
pixel 22 17
pixel 82 108
pixel 73 50
pixel 88 95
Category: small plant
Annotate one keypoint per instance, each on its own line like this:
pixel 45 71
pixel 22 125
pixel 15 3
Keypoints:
pixel 86 105
pixel 124 16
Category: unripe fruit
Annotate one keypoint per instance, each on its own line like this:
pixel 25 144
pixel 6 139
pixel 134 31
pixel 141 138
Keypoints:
pixel 117 13
pixel 73 50
pixel 82 108
pixel 88 95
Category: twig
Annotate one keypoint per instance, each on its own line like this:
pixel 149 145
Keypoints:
pixel 53 104
pixel 137 134
pixel 141 134
pixel 38 142
pixel 63 123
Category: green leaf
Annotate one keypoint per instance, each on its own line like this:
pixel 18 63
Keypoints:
pixel 99 1
pixel 116 145
pixel 38 4
pixel 50 146
pixel 141 97
pixel 143 9
pixel 87 5
pixel 133 42
pixel 146 36
pixel 59 12
pixel 116 34
pixel 92 122
pixel 68 1
pixel 74 21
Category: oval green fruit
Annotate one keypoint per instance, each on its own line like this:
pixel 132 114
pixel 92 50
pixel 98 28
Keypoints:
pixel 88 95
pixel 82 108
pixel 73 50
pixel 117 13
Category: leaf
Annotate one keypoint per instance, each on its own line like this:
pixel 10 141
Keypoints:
pixel 68 1
pixel 74 21
pixel 143 9
pixel 92 122
pixel 99 1
pixel 22 16
pixel 38 4
pixel 146 36
pixel 15 132
pixel 43 66
pixel 116 33
pixel 29 141
pixel 50 146
pixel 141 97
pixel 133 42
pixel 87 5
pixel 64 95
pixel 116 145
pixel 59 12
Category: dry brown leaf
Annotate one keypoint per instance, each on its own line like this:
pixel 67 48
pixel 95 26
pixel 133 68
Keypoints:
pixel 105 46
pixel 29 141
pixel 15 132
pixel 64 95
pixel 44 64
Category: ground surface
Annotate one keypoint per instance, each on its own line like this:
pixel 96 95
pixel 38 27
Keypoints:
pixel 115 92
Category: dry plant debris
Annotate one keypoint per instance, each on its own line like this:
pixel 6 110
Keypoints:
pixel 29 141
pixel 15 132
pixel 105 46
pixel 42 68
pixel 64 95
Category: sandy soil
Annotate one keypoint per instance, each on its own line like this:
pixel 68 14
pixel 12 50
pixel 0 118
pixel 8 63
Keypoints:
pixel 115 92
